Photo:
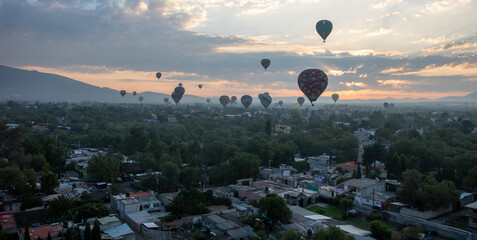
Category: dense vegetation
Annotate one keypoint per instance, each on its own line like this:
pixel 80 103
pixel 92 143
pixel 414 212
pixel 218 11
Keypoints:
pixel 205 147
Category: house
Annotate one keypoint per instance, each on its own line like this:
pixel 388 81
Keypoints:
pixel 364 190
pixel 351 167
pixel 108 222
pixel 472 211
pixel 122 232
pixel 41 232
pixel 227 227
pixel 7 222
pixel 466 198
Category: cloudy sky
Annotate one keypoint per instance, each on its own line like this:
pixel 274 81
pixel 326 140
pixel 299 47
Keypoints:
pixel 377 49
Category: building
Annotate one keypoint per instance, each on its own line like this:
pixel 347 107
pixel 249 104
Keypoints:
pixel 108 222
pixel 224 226
pixel 366 191
pixel 7 222
pixel 351 167
pixel 472 211
pixel 41 232
pixel 120 232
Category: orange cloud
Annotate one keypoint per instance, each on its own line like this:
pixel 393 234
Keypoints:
pixel 464 69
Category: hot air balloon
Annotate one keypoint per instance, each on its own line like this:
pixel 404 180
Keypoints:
pixel 158 75
pixel 134 93
pixel 224 100
pixel 233 99
pixel 122 92
pixel 141 98
pixel 246 100
pixel 265 99
pixel 391 106
pixel 300 100
pixel 335 97
pixel 324 27
pixel 265 63
pixel 280 103
pixel 386 105
pixel 200 86
pixel 208 100
pixel 312 83
pixel 178 93
pixel 166 100
pixel 297 105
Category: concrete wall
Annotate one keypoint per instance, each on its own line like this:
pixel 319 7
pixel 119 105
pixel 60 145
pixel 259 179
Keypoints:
pixel 424 215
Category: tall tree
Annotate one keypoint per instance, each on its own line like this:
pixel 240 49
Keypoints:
pixel 48 179
pixel 104 167
pixel 331 233
pixel 379 230
pixel 275 208
pixel 96 233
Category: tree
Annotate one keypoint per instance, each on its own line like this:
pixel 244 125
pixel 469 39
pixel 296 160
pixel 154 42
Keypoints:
pixel 290 234
pixel 190 177
pixel 48 179
pixel 60 208
pixel 16 180
pixel 302 166
pixel 26 235
pixel 331 233
pixel 470 181
pixel 346 203
pixel 393 165
pixel 170 175
pixel 379 230
pixel 275 208
pixel 104 167
pixel 245 165
pixel 96 233
pixel 87 231
pixel 268 127
pixel 49 237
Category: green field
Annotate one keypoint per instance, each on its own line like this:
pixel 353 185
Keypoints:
pixel 330 211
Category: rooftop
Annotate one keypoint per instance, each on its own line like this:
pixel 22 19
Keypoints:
pixel 7 220
pixel 41 232
pixel 118 231
pixel 361 183
pixel 108 219
pixel 472 205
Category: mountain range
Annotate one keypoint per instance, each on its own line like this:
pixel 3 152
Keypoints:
pixel 23 85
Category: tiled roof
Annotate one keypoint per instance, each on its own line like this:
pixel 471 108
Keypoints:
pixel 7 220
pixel 41 232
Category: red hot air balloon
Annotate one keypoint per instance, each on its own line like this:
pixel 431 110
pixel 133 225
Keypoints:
pixel 178 93
pixel 224 100
pixel 233 99
pixel 312 83
pixel 134 93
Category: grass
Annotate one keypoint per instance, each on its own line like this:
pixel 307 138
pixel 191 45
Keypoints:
pixel 330 211
pixel 358 222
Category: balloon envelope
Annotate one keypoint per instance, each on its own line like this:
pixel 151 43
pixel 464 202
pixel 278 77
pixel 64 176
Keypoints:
pixel 134 93
pixel 280 103
pixel 166 100
pixel 265 99
pixel 200 86
pixel 233 99
pixel 246 100
pixel 208 100
pixel 122 92
pixel 224 100
pixel 386 105
pixel 335 97
pixel 265 63
pixel 141 98
pixel 300 100
pixel 324 27
pixel 178 93
pixel 312 83
pixel 158 75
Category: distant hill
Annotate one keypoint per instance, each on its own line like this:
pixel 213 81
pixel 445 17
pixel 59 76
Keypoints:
pixel 22 85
